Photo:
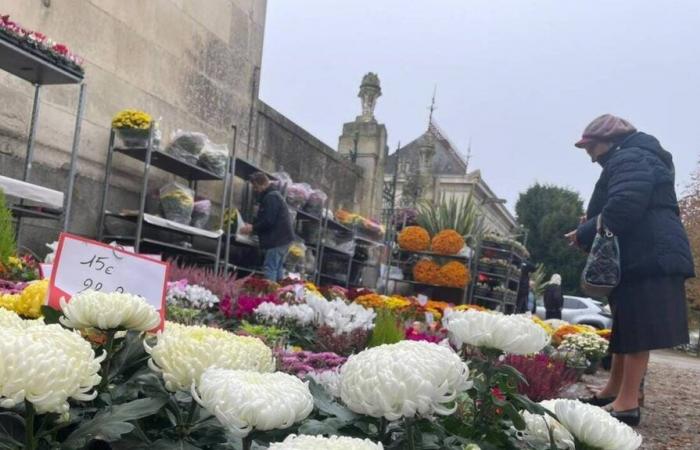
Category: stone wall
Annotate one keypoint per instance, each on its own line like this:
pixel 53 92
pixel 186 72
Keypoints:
pixel 284 146
pixel 195 67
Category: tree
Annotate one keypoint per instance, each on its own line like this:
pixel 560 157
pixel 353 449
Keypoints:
pixel 548 212
pixel 690 214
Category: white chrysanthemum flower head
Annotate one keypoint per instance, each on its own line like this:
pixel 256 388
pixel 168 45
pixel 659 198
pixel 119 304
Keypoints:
pixel 46 365
pixel 244 400
pixel 538 428
pixel 340 316
pixel 109 311
pixel 512 334
pixel 285 312
pixel 10 319
pixel 405 379
pixel 595 427
pixel 304 442
pixel 183 353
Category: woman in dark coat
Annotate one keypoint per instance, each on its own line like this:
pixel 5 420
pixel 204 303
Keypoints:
pixel 635 196
pixel 553 298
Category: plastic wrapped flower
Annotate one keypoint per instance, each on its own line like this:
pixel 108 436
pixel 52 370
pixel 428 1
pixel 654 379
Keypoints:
pixel 426 271
pixel 538 428
pixel 244 400
pixel 183 353
pixel 447 242
pixel 46 365
pixel 414 239
pixel 405 379
pixel 304 442
pixel 512 334
pixel 594 427
pixel 453 274
pixel 92 309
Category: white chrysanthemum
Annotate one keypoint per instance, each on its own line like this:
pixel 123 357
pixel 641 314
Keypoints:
pixel 538 428
pixel 10 319
pixel 405 379
pixel 595 427
pixel 244 400
pixel 92 309
pixel 512 334
pixel 46 365
pixel 274 313
pixel 183 353
pixel 342 317
pixel 293 442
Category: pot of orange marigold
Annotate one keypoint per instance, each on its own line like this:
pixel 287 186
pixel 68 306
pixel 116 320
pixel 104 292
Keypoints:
pixel 414 239
pixel 426 271
pixel 453 274
pixel 447 242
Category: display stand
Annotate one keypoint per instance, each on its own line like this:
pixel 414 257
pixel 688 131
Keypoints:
pixel 359 267
pixel 504 279
pixel 332 254
pixel 41 72
pixel 152 233
pixel 304 219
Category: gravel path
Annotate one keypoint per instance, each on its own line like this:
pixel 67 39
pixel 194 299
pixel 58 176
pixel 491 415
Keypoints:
pixel 671 416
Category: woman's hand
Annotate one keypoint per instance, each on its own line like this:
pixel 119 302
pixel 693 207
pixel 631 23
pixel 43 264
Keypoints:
pixel 571 237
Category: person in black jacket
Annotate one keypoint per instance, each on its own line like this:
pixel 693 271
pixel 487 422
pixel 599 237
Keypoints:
pixel 273 225
pixel 553 298
pixel 637 202
pixel 523 287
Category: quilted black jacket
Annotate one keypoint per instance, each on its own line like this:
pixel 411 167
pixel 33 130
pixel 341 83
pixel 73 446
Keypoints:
pixel 635 194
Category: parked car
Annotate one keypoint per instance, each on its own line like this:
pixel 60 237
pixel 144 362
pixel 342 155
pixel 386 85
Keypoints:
pixel 581 311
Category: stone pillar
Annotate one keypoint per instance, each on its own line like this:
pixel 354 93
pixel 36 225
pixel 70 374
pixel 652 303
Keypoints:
pixel 364 141
pixel 426 153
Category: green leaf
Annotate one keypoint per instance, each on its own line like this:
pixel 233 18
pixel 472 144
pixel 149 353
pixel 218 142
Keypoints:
pixel 327 426
pixel 168 444
pixel 514 416
pixel 130 355
pixel 51 315
pixel 112 423
pixel 327 405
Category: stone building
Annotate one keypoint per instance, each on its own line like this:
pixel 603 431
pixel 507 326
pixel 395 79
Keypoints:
pixel 430 167
pixel 196 68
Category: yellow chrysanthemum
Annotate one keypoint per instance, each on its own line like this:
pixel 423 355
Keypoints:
pixel 132 118
pixel 32 298
pixel 396 302
pixel 547 327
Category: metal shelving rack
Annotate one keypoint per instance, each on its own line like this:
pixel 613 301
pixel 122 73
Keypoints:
pixel 328 249
pixel 41 72
pixel 411 259
pixel 363 241
pixel 193 174
pixel 304 217
pixel 509 280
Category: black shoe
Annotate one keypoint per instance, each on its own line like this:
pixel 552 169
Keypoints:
pixel 597 401
pixel 631 417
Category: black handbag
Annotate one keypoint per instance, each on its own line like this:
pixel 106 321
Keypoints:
pixel 602 272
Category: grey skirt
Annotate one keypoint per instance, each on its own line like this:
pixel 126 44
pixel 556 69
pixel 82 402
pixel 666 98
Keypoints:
pixel 648 314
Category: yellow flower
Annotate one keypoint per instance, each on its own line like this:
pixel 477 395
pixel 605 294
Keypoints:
pixel 32 298
pixel 396 302
pixel 14 261
pixel 547 327
pixel 9 301
pixel 132 118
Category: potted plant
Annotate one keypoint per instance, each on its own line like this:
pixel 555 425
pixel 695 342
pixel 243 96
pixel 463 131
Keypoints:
pixel 132 127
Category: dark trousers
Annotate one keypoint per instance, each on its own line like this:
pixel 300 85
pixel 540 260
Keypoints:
pixel 553 314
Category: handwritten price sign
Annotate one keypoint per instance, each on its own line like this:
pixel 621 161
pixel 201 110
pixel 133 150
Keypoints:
pixel 82 264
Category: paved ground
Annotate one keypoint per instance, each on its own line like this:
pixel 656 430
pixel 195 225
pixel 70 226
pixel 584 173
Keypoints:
pixel 671 416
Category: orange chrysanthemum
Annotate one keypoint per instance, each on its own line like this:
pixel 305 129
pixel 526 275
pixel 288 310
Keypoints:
pixel 453 274
pixel 426 271
pixel 414 239
pixel 447 242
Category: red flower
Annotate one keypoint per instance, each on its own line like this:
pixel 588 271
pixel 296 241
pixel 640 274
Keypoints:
pixel 497 393
pixel 60 49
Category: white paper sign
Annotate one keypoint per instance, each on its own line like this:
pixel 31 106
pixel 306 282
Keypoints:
pixel 82 264
pixel 422 299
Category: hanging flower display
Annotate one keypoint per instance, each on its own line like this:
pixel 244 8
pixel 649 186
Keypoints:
pixel 447 242
pixel 405 379
pixel 426 271
pixel 453 274
pixel 305 442
pixel 92 309
pixel 244 400
pixel 414 239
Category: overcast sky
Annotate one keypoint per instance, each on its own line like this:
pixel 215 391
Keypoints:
pixel 520 78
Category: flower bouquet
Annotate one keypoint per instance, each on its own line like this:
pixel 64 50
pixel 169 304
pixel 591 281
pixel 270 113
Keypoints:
pixel 187 145
pixel 592 346
pixel 40 45
pixel 132 127
pixel 177 202
pixel 298 194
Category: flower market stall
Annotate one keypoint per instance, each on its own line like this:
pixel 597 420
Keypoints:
pixel 37 59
